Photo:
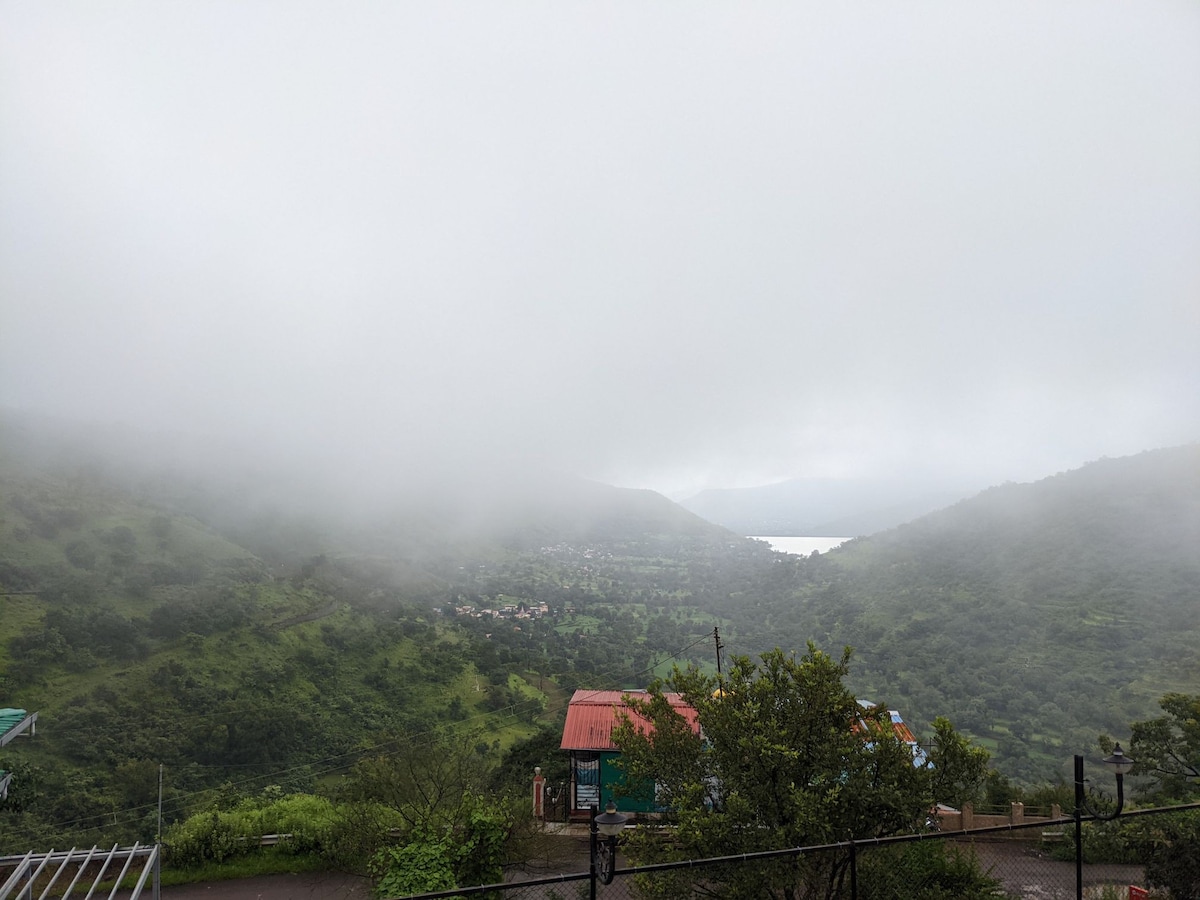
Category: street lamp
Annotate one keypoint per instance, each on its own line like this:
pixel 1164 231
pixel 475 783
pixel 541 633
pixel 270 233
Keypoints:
pixel 1120 764
pixel 604 852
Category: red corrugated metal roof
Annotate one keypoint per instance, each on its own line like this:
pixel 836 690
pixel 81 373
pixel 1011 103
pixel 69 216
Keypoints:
pixel 592 716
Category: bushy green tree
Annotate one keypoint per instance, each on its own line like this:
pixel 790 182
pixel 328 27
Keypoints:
pixel 1171 850
pixel 516 770
pixel 427 780
pixel 958 770
pixel 786 757
pixel 438 858
pixel 1167 749
pixel 926 870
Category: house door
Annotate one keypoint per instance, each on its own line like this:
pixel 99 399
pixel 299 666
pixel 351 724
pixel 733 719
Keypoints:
pixel 587 780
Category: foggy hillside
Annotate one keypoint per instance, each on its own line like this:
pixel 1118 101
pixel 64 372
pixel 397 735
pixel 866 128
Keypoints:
pixel 1034 615
pixel 292 507
pixel 350 352
pixel 142 589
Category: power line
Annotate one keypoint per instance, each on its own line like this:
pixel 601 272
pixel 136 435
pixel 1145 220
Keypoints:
pixel 313 768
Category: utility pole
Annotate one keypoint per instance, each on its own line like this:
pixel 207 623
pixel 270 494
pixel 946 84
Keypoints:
pixel 158 832
pixel 720 647
pixel 156 886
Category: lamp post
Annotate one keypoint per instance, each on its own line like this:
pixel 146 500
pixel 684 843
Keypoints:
pixel 604 852
pixel 1120 764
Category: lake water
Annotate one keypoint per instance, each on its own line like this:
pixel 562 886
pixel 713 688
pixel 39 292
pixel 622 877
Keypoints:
pixel 801 546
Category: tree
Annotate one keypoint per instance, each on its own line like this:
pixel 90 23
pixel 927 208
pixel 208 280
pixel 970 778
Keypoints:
pixel 428 780
pixel 451 829
pixel 958 770
pixel 515 772
pixel 1171 850
pixel 160 527
pixel 787 758
pixel 1168 748
pixel 435 859
pixel 80 554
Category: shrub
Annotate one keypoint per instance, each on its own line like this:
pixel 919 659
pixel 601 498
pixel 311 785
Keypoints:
pixel 216 835
pixel 925 870
pixel 435 859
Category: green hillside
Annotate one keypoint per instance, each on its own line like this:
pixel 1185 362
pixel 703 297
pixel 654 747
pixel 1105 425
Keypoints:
pixel 241 632
pixel 240 640
pixel 1034 615
pixel 143 638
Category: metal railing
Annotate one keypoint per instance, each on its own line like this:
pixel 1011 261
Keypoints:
pixel 1027 860
pixel 46 875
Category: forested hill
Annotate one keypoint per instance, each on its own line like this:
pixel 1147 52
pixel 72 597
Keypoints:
pixel 291 508
pixel 1034 615
pixel 246 630
pixel 161 610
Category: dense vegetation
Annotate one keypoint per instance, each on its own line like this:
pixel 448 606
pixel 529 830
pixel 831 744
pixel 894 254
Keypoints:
pixel 217 650
pixel 787 757
pixel 1034 616
pixel 243 636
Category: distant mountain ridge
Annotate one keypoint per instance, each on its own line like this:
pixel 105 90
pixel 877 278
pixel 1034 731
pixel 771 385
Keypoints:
pixel 819 506
pixel 249 496
pixel 1033 615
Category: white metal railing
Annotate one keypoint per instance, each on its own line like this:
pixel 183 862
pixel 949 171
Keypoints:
pixel 41 871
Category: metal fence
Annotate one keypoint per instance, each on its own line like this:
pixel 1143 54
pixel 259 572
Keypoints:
pixel 69 873
pixel 1020 861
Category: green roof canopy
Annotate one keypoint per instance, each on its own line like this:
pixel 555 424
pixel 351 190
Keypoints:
pixel 14 722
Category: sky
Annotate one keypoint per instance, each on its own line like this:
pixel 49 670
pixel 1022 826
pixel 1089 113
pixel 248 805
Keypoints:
pixel 674 245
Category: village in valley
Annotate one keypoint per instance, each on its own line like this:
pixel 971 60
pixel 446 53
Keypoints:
pixel 518 611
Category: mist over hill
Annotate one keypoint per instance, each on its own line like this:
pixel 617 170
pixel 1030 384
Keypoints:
pixel 230 620
pixel 152 592
pixel 821 506
pixel 253 492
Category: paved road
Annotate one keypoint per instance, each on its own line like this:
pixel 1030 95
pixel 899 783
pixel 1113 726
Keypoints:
pixel 1029 873
pixel 304 886
pixel 1025 871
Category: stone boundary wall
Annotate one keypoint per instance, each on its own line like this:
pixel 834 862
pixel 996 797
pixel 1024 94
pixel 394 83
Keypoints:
pixel 967 819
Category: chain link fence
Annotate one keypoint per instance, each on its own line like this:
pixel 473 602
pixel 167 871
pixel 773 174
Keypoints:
pixel 1033 860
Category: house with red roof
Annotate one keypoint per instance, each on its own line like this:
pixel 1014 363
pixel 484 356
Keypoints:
pixel 587 737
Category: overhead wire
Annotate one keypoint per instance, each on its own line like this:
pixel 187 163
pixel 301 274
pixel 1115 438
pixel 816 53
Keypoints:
pixel 410 739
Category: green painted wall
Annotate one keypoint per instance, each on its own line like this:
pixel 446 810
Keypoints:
pixel 610 775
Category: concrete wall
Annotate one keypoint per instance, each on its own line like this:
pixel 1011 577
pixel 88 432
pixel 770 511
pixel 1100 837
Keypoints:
pixel 967 819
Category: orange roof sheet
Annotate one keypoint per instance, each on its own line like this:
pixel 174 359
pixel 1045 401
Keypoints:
pixel 903 732
pixel 592 716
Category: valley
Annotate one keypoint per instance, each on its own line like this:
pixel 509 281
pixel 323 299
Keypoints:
pixel 243 646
